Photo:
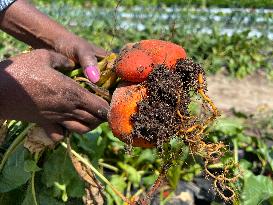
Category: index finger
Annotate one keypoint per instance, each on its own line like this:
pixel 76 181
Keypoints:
pixel 99 52
pixel 94 105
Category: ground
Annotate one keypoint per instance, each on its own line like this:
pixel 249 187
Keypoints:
pixel 248 95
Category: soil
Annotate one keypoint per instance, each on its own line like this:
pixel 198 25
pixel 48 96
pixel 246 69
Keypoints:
pixel 168 90
pixel 248 95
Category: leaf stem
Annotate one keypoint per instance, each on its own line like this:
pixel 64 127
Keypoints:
pixel 14 144
pixel 108 166
pixel 89 165
pixel 36 158
pixel 236 155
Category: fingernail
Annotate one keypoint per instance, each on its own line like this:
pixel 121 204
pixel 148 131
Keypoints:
pixel 103 113
pixel 71 63
pixel 92 73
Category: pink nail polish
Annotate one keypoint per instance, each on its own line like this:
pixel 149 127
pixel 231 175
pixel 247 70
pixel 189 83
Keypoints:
pixel 92 73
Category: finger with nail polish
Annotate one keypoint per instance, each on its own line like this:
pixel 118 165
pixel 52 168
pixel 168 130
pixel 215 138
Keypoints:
pixel 92 72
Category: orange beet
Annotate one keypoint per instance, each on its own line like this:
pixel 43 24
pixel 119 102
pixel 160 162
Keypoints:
pixel 136 61
pixel 162 52
pixel 133 65
pixel 123 105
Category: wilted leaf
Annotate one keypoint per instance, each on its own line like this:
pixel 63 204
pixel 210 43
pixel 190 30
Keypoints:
pixel 93 190
pixel 13 174
pixel 93 196
pixel 37 140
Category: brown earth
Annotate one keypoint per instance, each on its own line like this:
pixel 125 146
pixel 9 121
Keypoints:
pixel 249 94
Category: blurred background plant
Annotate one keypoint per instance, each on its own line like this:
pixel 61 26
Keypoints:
pixel 236 40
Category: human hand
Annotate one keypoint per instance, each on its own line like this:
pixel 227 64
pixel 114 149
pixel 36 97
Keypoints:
pixel 31 90
pixel 83 53
pixel 26 23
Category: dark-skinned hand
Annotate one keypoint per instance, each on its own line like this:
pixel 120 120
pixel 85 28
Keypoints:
pixel 32 90
pixel 26 23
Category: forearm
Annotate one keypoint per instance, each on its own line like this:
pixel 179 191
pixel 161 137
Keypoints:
pixel 26 23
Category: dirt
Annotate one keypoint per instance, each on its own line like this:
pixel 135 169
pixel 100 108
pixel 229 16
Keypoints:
pixel 247 95
pixel 165 86
pixel 168 92
pixel 164 114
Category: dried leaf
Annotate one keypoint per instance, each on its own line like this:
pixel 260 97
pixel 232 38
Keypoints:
pixel 94 190
pixel 37 140
pixel 93 196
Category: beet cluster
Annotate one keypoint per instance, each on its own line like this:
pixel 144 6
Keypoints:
pixel 158 80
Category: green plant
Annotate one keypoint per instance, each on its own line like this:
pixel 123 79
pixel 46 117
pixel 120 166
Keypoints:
pixel 239 54
pixel 50 178
pixel 196 3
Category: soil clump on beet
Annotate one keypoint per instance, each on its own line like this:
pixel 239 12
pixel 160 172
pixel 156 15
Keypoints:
pixel 169 92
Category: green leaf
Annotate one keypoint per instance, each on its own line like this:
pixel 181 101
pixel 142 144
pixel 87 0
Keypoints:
pixel 257 189
pixel 132 174
pixel 75 72
pixel 194 108
pixel 264 150
pixel 8 197
pixel 149 180
pixel 62 188
pixel 119 183
pixel 189 173
pixel 174 175
pixel 244 164
pixel 215 203
pixel 46 200
pixel 228 126
pixel 146 155
pixel 107 132
pixel 29 197
pixel 93 143
pixel 58 169
pixel 31 166
pixel 13 174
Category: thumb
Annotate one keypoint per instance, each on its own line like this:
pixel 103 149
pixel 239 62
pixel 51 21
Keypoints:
pixel 90 66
